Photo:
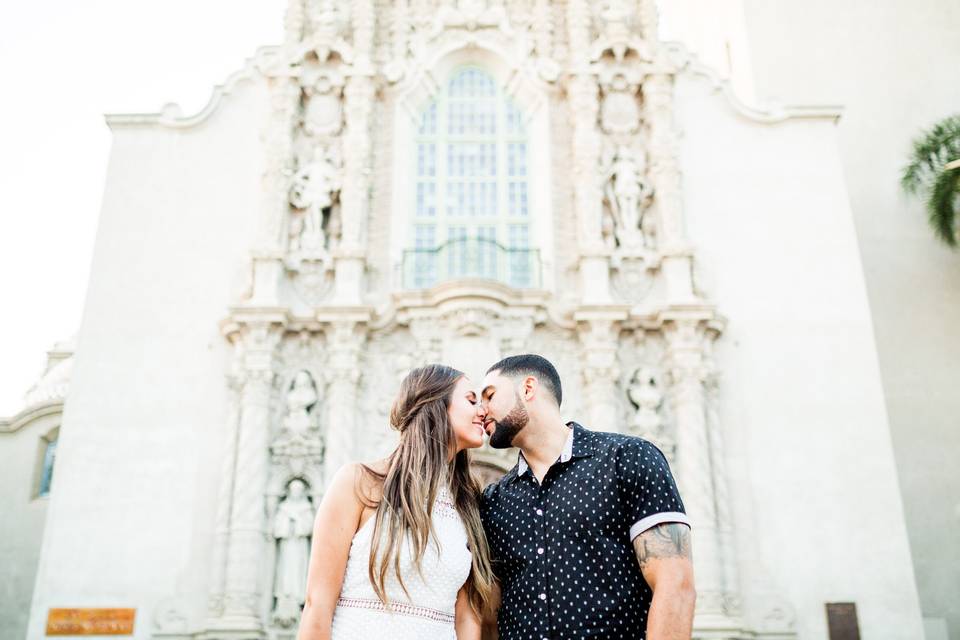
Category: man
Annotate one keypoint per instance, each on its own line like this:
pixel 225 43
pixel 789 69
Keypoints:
pixel 587 532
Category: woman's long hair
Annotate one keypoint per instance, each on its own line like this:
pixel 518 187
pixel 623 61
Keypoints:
pixel 412 478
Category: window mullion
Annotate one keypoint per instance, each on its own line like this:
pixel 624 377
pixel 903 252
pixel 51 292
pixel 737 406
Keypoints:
pixel 443 151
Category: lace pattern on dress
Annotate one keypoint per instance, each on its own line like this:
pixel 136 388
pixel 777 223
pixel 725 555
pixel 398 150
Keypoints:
pixel 398 608
pixel 444 506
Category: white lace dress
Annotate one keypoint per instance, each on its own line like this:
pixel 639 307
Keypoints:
pixel 428 613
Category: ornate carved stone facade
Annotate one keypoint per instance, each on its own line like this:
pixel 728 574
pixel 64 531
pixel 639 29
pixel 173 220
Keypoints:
pixel 326 332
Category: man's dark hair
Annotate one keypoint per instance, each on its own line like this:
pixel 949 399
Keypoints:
pixel 530 364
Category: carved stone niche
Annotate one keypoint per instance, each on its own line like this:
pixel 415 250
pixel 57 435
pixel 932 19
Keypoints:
pixel 291 514
pixel 629 225
pixel 646 393
pixel 313 190
pixel 321 98
pixel 295 486
pixel 620 102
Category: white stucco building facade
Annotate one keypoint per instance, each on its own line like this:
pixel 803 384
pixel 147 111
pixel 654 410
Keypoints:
pixel 401 183
pixel 28 447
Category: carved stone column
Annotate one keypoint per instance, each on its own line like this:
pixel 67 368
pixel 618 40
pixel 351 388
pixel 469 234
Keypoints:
pixel 665 177
pixel 259 337
pixel 599 333
pixel 697 470
pixel 583 94
pixel 721 488
pixel 400 30
pixel 293 22
pixel 274 207
pixel 345 340
pixel 355 194
pixel 542 29
pixel 235 381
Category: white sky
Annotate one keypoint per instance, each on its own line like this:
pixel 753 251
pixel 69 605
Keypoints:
pixel 63 64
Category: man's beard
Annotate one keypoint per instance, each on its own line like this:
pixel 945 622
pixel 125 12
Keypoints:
pixel 509 427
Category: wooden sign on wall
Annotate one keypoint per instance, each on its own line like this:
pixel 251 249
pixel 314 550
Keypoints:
pixel 90 622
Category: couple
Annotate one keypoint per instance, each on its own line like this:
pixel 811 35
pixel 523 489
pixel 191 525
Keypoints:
pixel 585 537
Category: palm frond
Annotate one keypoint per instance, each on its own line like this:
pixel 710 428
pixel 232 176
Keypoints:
pixel 942 206
pixel 931 151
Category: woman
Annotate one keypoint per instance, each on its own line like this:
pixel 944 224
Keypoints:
pixel 398 547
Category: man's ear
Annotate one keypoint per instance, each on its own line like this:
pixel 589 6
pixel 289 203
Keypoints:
pixel 530 386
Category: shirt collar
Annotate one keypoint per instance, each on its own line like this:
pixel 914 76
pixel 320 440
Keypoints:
pixel 573 448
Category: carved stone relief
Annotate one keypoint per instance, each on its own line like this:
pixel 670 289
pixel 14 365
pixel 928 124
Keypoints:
pixel 291 528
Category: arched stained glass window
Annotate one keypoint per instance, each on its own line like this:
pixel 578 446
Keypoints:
pixel 471 215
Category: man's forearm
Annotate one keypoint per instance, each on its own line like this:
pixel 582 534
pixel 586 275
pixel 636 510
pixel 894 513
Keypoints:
pixel 671 612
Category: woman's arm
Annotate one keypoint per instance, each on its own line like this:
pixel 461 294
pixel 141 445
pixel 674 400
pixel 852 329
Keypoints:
pixel 338 517
pixel 466 621
pixel 490 620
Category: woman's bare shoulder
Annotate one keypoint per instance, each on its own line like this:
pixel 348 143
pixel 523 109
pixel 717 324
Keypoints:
pixel 378 466
pixel 362 480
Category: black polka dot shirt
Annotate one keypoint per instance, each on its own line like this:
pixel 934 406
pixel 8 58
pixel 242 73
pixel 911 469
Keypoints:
pixel 563 550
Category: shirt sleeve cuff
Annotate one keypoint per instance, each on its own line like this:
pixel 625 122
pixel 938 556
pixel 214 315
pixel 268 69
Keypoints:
pixel 658 518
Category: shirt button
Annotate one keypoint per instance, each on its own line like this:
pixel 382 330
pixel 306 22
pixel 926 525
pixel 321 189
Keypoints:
pixel 539 512
pixel 543 596
pixel 540 551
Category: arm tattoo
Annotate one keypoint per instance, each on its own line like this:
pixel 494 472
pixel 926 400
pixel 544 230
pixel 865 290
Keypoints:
pixel 670 540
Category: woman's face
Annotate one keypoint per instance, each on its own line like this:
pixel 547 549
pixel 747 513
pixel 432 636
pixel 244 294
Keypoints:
pixel 466 416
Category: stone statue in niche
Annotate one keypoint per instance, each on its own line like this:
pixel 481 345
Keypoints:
pixel 608 231
pixel 628 195
pixel 292 526
pixel 302 398
pixel 313 192
pixel 645 394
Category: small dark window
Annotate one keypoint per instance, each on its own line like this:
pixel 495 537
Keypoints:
pixel 842 621
pixel 46 472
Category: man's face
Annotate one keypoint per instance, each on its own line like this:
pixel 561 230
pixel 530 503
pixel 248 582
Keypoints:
pixel 506 411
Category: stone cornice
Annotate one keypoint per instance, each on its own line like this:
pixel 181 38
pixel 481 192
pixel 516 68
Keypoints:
pixel 686 62
pixel 695 312
pixel 171 116
pixel 30 414
pixel 244 315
